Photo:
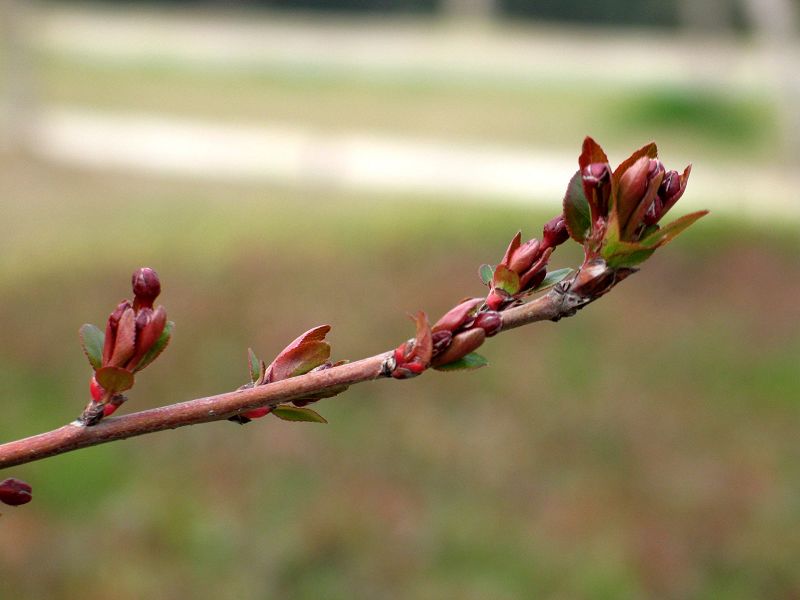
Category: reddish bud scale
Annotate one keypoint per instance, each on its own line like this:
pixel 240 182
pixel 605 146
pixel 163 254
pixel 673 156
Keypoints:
pixel 462 344
pixel 497 299
pixel 15 492
pixel 96 390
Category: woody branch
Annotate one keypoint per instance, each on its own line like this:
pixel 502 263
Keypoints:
pixel 613 215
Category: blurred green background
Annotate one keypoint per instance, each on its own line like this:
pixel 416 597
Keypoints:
pixel 647 448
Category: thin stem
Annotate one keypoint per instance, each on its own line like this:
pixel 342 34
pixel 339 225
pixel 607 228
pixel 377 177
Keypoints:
pixel 551 306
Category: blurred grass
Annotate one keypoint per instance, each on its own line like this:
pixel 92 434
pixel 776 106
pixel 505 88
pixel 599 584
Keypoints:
pixel 716 124
pixel 646 448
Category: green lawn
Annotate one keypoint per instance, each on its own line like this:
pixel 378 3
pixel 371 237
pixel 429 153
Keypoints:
pixel 646 448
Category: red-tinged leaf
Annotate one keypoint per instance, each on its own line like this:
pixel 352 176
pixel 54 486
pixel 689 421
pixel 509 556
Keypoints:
pixel 577 214
pixel 423 342
pixel 649 150
pixel 512 248
pixel 306 352
pixel 299 360
pixel 470 362
pixel 669 232
pixel 157 348
pixel 506 280
pixel 114 379
pixel 255 365
pixel 591 153
pixel 296 413
pixel 486 272
pixel 125 343
pixel 92 340
pixel 458 315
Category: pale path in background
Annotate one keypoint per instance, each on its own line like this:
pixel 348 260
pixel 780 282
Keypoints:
pixel 354 160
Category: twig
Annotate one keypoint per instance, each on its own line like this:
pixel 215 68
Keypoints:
pixel 550 306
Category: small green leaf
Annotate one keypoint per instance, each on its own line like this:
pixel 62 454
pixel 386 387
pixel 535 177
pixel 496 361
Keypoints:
pixel 471 361
pixel 486 272
pixel 506 280
pixel 552 278
pixel 158 347
pixel 255 365
pixel 669 232
pixel 92 340
pixel 577 214
pixel 628 255
pixel 114 379
pixel 295 413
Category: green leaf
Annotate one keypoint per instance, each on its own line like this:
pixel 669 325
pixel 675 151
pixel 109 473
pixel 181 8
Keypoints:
pixel 255 365
pixel 628 255
pixel 92 340
pixel 158 347
pixel 471 361
pixel 671 231
pixel 114 379
pixel 552 278
pixel 486 272
pixel 295 413
pixel 506 280
pixel 577 214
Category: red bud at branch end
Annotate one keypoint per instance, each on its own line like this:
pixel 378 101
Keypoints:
pixel 15 492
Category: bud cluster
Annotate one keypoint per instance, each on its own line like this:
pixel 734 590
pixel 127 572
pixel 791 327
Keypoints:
pixel 615 215
pixel 524 266
pixel 136 333
pixel 307 353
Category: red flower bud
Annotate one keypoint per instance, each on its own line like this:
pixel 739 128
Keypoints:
pixel 125 339
pixel 15 492
pixel 632 186
pixel 457 316
pixel 148 332
pixel 440 340
pixel 146 287
pixel 490 321
pixel 524 256
pixel 554 232
pixel 111 329
pixel 462 344
pixel 597 187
